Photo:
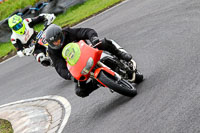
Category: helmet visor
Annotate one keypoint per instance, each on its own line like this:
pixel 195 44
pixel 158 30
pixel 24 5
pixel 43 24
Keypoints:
pixel 18 26
pixel 57 42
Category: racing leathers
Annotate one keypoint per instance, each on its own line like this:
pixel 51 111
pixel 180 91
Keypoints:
pixel 22 42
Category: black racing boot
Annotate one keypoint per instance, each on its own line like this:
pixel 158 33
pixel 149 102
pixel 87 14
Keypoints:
pixel 123 55
pixel 83 89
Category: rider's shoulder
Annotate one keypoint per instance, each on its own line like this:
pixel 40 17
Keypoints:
pixel 14 35
pixel 13 38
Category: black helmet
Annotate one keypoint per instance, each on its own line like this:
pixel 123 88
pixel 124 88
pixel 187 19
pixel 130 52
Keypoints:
pixel 53 34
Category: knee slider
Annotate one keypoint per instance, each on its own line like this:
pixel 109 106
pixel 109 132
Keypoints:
pixel 81 93
pixel 40 57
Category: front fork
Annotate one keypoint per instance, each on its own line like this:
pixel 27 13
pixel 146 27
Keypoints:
pixel 108 70
pixel 103 67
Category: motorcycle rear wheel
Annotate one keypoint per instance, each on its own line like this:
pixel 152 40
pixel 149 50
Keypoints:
pixel 122 86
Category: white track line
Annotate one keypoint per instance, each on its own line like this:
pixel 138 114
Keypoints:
pixel 63 101
pixel 8 59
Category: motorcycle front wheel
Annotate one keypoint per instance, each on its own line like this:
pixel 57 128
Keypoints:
pixel 122 86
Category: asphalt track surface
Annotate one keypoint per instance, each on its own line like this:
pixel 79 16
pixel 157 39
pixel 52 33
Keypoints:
pixel 163 37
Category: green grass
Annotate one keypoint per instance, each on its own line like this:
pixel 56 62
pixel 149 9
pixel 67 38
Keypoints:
pixel 80 12
pixel 5 48
pixel 5 126
pixel 9 6
pixel 71 17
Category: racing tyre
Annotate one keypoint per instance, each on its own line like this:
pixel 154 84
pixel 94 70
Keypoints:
pixel 122 86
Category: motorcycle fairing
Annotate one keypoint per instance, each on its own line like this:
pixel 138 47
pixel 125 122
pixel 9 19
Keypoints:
pixel 86 53
pixel 71 53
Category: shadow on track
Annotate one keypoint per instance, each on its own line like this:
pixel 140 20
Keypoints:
pixel 110 107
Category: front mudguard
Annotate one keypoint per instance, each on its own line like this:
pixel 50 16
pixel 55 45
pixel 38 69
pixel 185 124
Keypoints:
pixel 98 70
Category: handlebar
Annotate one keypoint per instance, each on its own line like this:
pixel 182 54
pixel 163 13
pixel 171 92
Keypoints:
pixel 96 45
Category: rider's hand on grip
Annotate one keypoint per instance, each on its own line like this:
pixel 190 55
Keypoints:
pixel 50 18
pixel 95 40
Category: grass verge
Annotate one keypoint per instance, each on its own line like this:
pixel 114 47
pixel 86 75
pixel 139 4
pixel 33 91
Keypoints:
pixel 6 48
pixel 8 7
pixel 5 126
pixel 71 17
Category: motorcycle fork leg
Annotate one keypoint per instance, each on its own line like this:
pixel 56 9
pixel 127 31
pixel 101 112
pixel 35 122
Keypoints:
pixel 133 63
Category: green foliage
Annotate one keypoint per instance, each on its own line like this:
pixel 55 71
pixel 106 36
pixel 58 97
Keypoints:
pixel 5 126
pixel 5 48
pixel 80 12
pixel 9 6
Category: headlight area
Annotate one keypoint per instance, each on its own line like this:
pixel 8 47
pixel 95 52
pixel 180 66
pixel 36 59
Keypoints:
pixel 88 66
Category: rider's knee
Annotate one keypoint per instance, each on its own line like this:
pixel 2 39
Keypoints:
pixel 80 92
pixel 41 58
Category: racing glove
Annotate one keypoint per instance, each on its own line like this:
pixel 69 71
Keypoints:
pixel 94 40
pixel 49 17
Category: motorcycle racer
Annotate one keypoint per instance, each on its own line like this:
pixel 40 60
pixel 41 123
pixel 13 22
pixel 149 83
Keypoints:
pixel 58 38
pixel 23 35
